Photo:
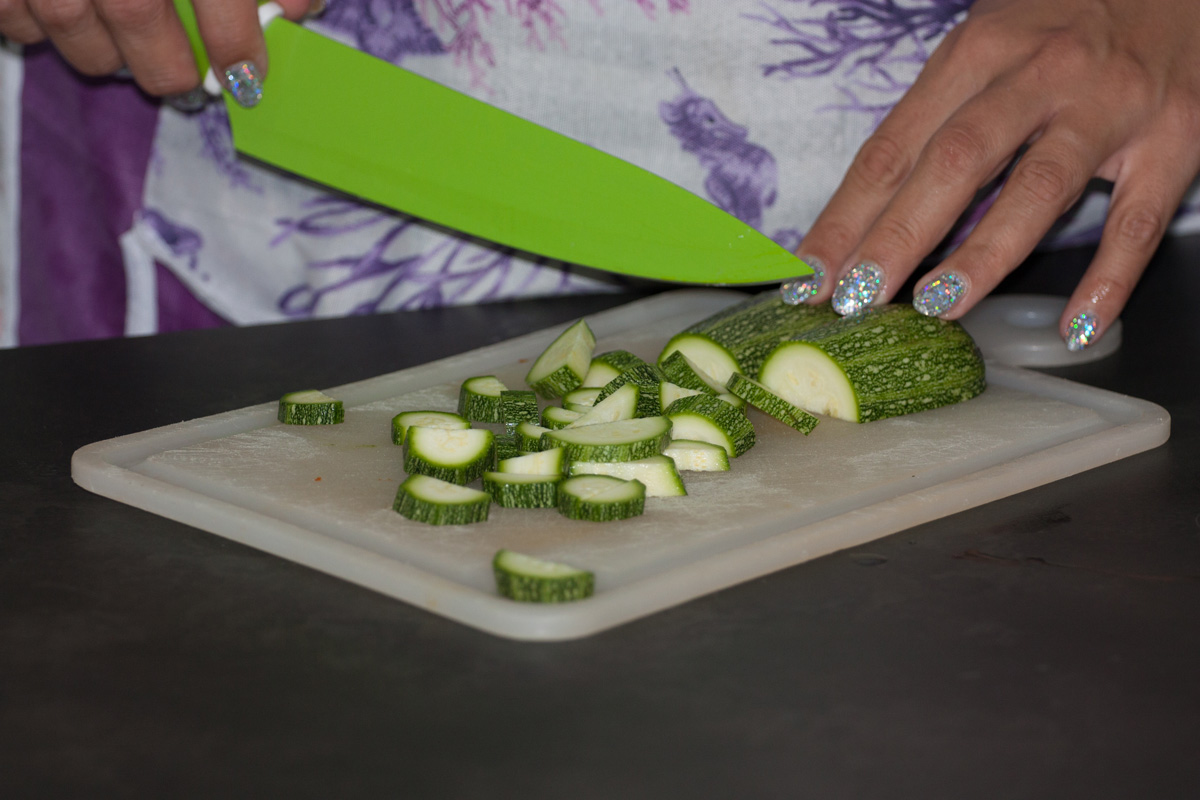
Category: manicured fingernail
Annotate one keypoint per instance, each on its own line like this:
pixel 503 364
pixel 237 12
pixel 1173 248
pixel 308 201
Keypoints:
pixel 315 8
pixel 244 83
pixel 1083 331
pixel 795 292
pixel 940 294
pixel 858 288
pixel 189 102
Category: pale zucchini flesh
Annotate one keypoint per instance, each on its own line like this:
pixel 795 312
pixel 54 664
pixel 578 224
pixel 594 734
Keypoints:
pixel 621 404
pixel 658 474
pixel 555 417
pixel 600 498
pixel 543 462
pixel 692 455
pixel 708 419
pixel 608 365
pixel 772 404
pixel 563 365
pixel 457 456
pixel 623 440
pixel 425 419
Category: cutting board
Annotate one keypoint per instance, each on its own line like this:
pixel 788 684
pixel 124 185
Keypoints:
pixel 322 496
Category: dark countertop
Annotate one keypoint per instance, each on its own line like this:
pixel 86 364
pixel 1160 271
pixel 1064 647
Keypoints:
pixel 1046 645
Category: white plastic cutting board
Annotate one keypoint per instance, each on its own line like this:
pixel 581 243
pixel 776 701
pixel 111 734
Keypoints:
pixel 322 496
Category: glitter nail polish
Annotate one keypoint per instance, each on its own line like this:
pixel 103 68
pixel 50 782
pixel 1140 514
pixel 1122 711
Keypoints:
pixel 1083 331
pixel 796 291
pixel 940 294
pixel 189 102
pixel 244 83
pixel 858 288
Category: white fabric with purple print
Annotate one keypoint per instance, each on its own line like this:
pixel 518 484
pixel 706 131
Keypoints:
pixel 757 105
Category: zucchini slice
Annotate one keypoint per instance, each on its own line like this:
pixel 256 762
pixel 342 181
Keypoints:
pixel 647 377
pixel 691 455
pixel 479 398
pixel 608 365
pixel 679 369
pixel 516 490
pixel 708 419
pixel 532 580
pixel 670 392
pixel 517 406
pixel 623 440
pixel 600 498
pixel 423 498
pixel 426 419
pixel 621 404
pixel 310 407
pixel 505 446
pixel 658 474
pixel 529 437
pixel 555 417
pixel 562 366
pixel 584 396
pixel 455 456
pixel 770 403
pixel 878 363
pixel 543 462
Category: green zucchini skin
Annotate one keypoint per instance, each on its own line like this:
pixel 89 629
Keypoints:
pixel 514 490
pixel 505 446
pixel 529 437
pixel 747 332
pixel 573 505
pixel 679 370
pixel 563 365
pixel 896 360
pixel 480 406
pixel 295 408
pixel 650 435
pixel 647 377
pixel 733 422
pixel 517 406
pixel 516 582
pixel 410 504
pixel 770 403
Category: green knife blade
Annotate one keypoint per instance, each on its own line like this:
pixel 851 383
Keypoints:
pixel 363 126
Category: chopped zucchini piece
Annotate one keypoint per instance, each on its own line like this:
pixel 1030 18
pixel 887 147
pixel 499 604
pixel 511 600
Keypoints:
pixel 621 404
pixel 623 440
pixel 555 417
pixel 517 406
pixel 543 462
pixel 529 437
pixel 455 456
pixel 708 419
pixel 770 403
pixel 658 474
pixel 423 498
pixel 517 490
pixel 532 580
pixel 479 398
pixel 310 407
pixel 608 365
pixel 425 419
pixel 600 498
pixel 563 365
pixel 691 455
pixel 647 378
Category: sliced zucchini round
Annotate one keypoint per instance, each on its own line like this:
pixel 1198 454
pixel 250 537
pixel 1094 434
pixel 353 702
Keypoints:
pixel 770 403
pixel 600 498
pixel 533 580
pixel 426 419
pixel 455 456
pixel 709 419
pixel 658 474
pixel 423 498
pixel 623 440
pixel 479 398
pixel 310 407
pixel 515 490
pixel 562 366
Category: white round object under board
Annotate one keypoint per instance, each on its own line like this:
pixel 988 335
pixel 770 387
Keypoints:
pixel 1021 330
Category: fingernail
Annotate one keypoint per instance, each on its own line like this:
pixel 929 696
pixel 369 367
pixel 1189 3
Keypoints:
pixel 188 102
pixel 243 82
pixel 1083 331
pixel 796 291
pixel 315 8
pixel 858 288
pixel 940 294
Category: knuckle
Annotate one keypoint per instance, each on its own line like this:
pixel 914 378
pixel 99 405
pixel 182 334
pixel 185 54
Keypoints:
pixel 882 163
pixel 1066 51
pixel 62 15
pixel 132 14
pixel 1139 228
pixel 1045 180
pixel 899 236
pixel 960 148
pixel 833 237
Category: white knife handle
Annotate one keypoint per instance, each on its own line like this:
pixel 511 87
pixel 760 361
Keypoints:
pixel 266 13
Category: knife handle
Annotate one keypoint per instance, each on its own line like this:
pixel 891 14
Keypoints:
pixel 187 15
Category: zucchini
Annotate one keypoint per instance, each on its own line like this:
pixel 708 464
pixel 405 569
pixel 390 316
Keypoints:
pixel 658 473
pixel 426 419
pixel 562 366
pixel 518 490
pixel 623 440
pixel 691 455
pixel 647 377
pixel 517 406
pixel 543 462
pixel 880 362
pixel 621 404
pixel 555 417
pixel 479 398
pixel 310 407
pixel 733 400
pixel 739 338
pixel 600 498
pixel 679 369
pixel 529 437
pixel 455 456
pixel 505 446
pixel 708 419
pixel 770 403
pixel 532 580
pixel 608 365
pixel 583 396
pixel 670 392
pixel 423 498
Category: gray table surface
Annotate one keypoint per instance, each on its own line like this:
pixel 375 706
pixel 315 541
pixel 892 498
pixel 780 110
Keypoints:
pixel 1042 646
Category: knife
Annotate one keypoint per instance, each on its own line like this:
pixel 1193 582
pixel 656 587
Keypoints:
pixel 365 127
